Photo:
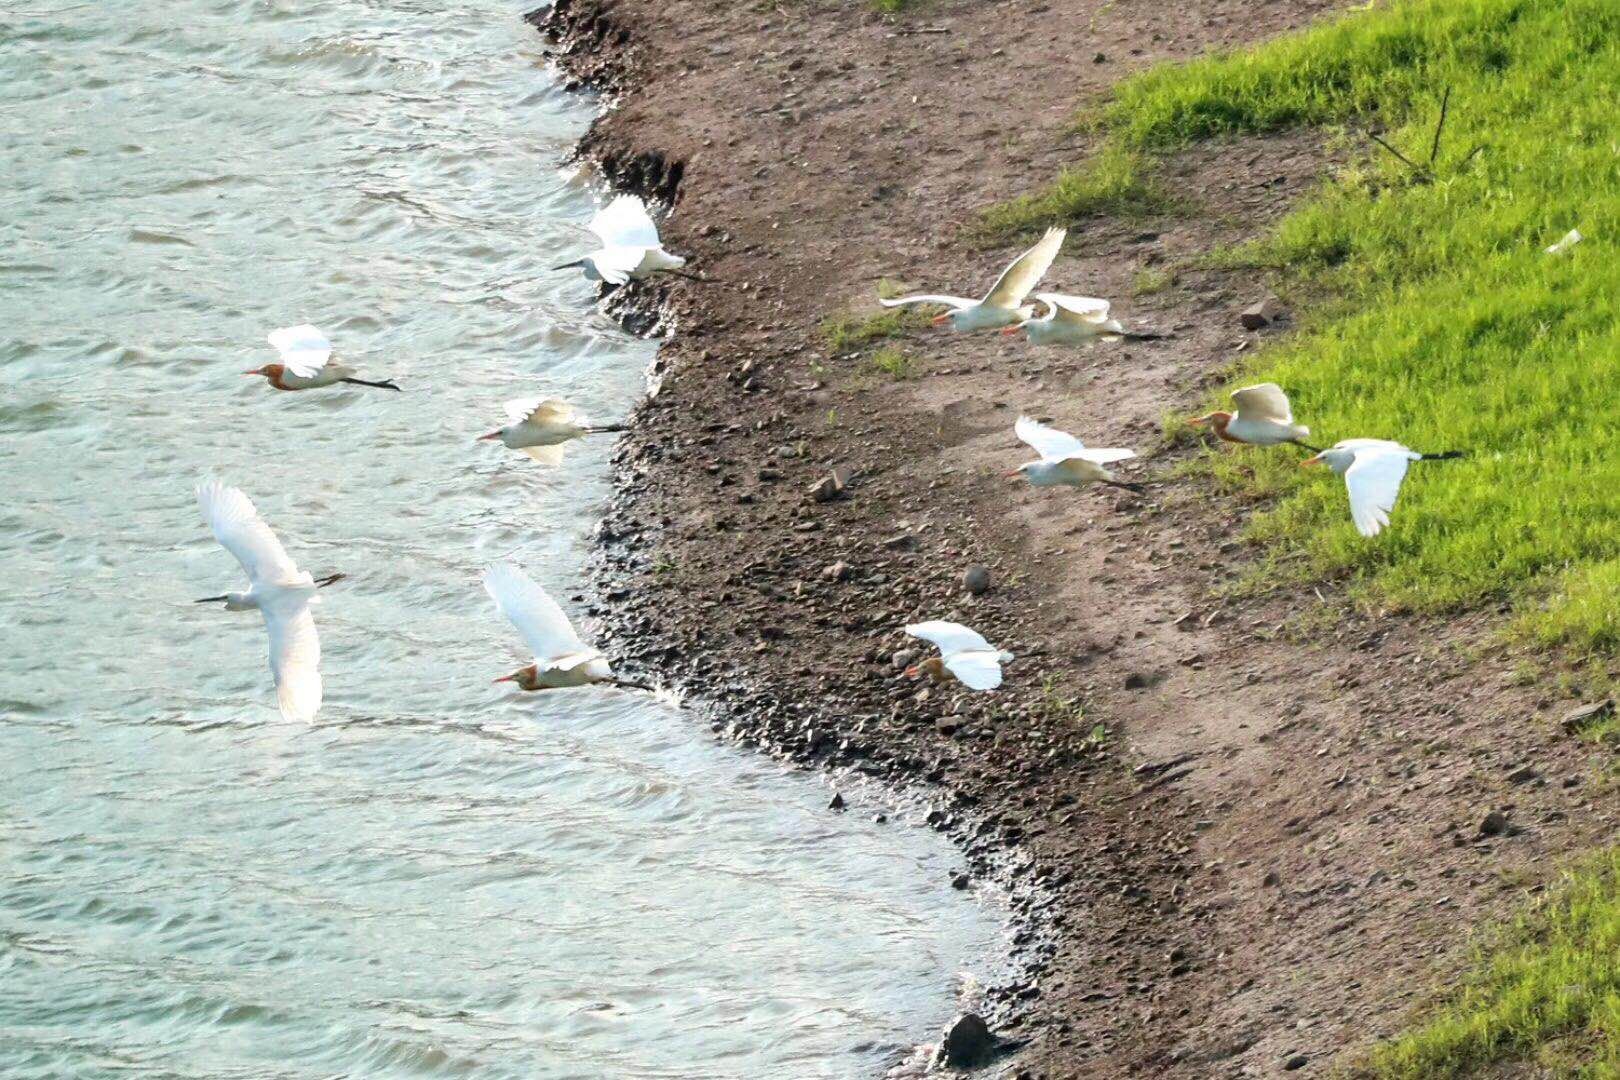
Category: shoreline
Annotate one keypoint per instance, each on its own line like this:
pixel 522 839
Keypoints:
pixel 1235 841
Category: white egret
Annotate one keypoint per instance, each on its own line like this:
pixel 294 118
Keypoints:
pixel 561 658
pixel 542 428
pixel 630 245
pixel 306 362
pixel 1004 304
pixel 277 589
pixel 1066 460
pixel 1373 470
pixel 1263 418
pixel 964 655
pixel 1075 320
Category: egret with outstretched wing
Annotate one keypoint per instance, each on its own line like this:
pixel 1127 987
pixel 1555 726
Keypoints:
pixel 306 362
pixel 964 655
pixel 277 589
pixel 1373 470
pixel 561 657
pixel 1065 460
pixel 1004 304
pixel 630 245
pixel 1263 418
pixel 542 428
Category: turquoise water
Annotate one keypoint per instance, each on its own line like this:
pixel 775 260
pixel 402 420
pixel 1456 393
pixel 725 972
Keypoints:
pixel 441 877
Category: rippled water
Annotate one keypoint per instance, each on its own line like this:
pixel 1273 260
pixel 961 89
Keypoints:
pixel 440 878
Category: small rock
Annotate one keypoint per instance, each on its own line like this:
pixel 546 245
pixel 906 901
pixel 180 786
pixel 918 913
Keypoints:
pixel 837 802
pixel 903 658
pixel 959 881
pixel 976 579
pixel 1522 775
pixel 1272 879
pixel 828 488
pixel 968 1042
pixel 838 571
pixel 1576 719
pixel 1261 315
pixel 1494 823
pixel 1295 1061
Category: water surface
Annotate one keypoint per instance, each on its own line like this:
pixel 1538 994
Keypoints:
pixel 441 877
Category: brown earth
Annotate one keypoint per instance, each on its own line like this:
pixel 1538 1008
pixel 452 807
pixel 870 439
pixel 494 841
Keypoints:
pixel 1276 849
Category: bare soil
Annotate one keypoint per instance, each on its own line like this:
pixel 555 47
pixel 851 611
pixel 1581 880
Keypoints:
pixel 1276 849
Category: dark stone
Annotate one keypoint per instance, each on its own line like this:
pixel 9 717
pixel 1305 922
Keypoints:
pixel 968 1042
pixel 976 579
pixel 1494 823
pixel 1295 1061
pixel 837 802
pixel 838 571
pixel 1136 680
pixel 828 488
pixel 959 881
pixel 1522 775
pixel 1261 315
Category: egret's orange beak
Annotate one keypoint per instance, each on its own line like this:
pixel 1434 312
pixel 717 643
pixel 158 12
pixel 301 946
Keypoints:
pixel 1308 462
pixel 940 320
pixel 1011 330
pixel 507 678
pixel 913 671
pixel 1199 421
pixel 491 435
pixel 255 371
pixel 1013 474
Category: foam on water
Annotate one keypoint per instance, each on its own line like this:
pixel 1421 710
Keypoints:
pixel 440 878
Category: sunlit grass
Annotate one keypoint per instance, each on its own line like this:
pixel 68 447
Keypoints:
pixel 1115 182
pixel 1547 989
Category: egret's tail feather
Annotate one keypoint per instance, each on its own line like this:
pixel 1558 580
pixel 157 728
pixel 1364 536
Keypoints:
pixel 605 429
pixel 1137 488
pixel 386 384
pixel 1143 335
pixel 1446 455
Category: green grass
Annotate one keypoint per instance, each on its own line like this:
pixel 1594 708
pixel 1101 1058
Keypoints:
pixel 1151 280
pixel 1115 182
pixel 1445 324
pixel 893 362
pixel 1546 989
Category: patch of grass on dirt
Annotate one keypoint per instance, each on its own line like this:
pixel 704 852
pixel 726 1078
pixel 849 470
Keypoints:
pixel 1548 983
pixel 1449 326
pixel 1151 280
pixel 848 331
pixel 893 362
pixel 1116 182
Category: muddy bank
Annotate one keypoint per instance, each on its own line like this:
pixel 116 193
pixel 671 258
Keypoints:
pixel 1242 836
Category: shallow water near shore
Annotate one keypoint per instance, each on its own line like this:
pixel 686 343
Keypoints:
pixel 441 877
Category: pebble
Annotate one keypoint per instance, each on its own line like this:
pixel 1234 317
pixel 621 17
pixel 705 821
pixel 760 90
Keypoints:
pixel 968 1042
pixel 976 579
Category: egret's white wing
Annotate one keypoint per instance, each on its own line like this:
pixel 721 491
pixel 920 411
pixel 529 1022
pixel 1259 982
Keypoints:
pixel 547 455
pixel 295 657
pixel 1078 309
pixel 1104 456
pixel 1265 401
pixel 956 302
pixel 624 222
pixel 1371 444
pixel 1374 480
pixel 615 264
pixel 1025 272
pixel 1050 443
pixel 572 660
pixel 950 637
pixel 304 349
pixel 979 669
pixel 241 531
pixel 535 614
pixel 540 411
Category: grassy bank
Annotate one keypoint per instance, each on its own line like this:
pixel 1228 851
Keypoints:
pixel 1446 323
pixel 1438 318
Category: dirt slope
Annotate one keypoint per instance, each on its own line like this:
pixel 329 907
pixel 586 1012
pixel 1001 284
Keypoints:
pixel 1278 843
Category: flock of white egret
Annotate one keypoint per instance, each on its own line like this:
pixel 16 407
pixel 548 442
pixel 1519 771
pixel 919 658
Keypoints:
pixel 1373 469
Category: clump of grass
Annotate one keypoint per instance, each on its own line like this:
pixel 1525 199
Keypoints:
pixel 1152 279
pixel 1116 182
pixel 846 332
pixel 1552 975
pixel 892 7
pixel 893 362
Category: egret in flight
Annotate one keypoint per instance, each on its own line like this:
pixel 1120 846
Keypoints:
pixel 1004 304
pixel 1263 418
pixel 560 657
pixel 543 427
pixel 277 589
pixel 1075 320
pixel 306 362
pixel 630 246
pixel 1066 460
pixel 964 655
pixel 1373 470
